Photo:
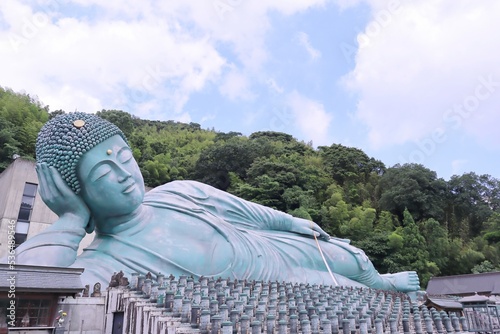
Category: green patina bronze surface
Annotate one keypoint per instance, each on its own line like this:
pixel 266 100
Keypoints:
pixel 89 177
pixel 63 140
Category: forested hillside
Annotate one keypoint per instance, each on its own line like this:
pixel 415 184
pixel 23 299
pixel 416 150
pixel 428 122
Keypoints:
pixel 404 217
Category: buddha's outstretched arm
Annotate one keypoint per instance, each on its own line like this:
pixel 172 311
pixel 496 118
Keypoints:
pixel 58 244
pixel 240 212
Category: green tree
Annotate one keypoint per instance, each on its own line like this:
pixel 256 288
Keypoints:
pixel 272 136
pixel 489 243
pixel 353 170
pixel 484 267
pixel 436 237
pixel 386 222
pixel 216 162
pixel 21 118
pixel 471 200
pixel 462 257
pixel 55 113
pixel 377 248
pixel 8 143
pixel 348 164
pixel 413 254
pixel 412 187
pixel 121 119
pixel 360 224
pixel 273 176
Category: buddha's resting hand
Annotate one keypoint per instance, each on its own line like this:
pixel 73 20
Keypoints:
pixel 59 242
pixel 58 196
pixel 307 227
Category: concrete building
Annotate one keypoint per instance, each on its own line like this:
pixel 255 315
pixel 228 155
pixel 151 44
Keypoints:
pixel 30 296
pixel 21 208
pixel 23 214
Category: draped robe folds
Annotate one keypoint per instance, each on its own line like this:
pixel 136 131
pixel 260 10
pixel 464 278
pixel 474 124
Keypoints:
pixel 189 228
pixel 259 249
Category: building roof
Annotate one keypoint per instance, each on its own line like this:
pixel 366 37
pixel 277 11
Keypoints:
pixel 475 299
pixel 484 284
pixel 447 303
pixel 41 279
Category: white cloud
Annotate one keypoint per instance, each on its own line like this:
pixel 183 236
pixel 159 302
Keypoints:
pixel 208 117
pixel 414 64
pixel 235 85
pixel 310 118
pixel 73 63
pixel 184 118
pixel 274 86
pixel 303 40
pixel 126 54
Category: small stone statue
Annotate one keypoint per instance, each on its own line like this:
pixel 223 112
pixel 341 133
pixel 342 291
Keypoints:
pixel 86 290
pixel 124 281
pixel 118 279
pixel 97 290
pixel 114 281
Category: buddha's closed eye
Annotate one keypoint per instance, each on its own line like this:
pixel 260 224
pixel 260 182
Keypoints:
pixel 100 172
pixel 125 155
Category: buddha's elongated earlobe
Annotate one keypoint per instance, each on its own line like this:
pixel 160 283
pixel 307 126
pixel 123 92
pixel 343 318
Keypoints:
pixel 90 226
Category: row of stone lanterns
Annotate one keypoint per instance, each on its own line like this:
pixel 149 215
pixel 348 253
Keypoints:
pixel 482 313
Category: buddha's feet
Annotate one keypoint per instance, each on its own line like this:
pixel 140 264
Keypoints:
pixel 404 281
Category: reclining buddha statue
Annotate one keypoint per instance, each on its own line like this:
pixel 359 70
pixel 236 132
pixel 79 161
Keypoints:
pixel 90 179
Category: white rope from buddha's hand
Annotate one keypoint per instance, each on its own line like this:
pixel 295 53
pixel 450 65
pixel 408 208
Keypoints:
pixel 323 257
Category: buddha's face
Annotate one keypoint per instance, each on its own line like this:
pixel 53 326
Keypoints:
pixel 111 181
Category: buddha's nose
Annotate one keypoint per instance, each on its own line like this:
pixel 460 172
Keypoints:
pixel 123 174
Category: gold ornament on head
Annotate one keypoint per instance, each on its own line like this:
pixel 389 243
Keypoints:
pixel 108 152
pixel 78 123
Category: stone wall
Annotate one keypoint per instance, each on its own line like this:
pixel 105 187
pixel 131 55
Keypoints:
pixel 85 315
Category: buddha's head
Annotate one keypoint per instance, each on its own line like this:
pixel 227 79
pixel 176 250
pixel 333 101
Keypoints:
pixel 93 157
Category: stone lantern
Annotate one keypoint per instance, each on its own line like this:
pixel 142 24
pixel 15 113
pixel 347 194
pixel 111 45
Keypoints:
pixel 482 313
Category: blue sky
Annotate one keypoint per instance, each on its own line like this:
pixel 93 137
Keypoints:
pixel 405 81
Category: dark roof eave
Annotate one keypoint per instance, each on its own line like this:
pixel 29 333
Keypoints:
pixel 40 278
pixel 445 304
pixel 46 291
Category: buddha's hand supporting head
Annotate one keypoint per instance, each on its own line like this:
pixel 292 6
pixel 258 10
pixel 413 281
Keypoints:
pixel 60 198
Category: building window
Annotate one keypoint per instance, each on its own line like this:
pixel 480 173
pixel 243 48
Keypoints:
pixel 24 216
pixel 32 311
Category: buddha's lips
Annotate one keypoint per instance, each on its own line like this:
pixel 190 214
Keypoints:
pixel 129 188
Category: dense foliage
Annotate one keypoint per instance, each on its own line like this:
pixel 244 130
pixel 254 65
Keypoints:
pixel 404 217
pixel 21 117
